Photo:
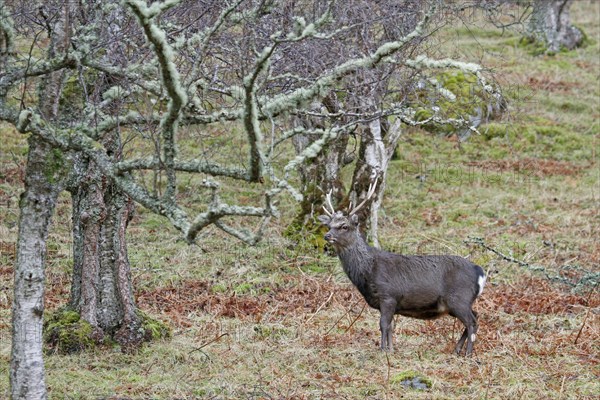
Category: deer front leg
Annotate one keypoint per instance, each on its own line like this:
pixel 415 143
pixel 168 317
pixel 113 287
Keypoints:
pixel 386 325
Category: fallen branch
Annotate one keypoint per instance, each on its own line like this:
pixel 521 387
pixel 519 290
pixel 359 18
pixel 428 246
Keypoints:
pixel 588 278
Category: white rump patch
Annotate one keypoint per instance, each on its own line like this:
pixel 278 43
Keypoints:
pixel 481 283
pixel 473 337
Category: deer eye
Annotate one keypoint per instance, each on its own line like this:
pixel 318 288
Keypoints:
pixel 344 227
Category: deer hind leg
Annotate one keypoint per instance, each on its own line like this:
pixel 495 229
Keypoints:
pixel 469 319
pixel 461 342
pixel 472 335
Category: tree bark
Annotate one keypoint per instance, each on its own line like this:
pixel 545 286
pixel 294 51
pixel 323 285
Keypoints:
pixel 36 208
pixel 44 180
pixel 321 174
pixel 101 289
pixel 550 23
pixel 378 141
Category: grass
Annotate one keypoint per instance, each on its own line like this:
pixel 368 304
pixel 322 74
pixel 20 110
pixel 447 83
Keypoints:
pixel 280 320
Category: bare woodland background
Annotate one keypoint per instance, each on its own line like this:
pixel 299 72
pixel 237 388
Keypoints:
pixel 172 159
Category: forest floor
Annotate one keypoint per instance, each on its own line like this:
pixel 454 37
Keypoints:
pixel 281 320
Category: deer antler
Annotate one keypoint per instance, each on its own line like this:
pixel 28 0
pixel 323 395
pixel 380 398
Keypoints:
pixel 370 193
pixel 327 204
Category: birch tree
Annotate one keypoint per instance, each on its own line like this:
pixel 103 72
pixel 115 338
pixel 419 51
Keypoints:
pixel 545 23
pixel 44 179
pixel 550 24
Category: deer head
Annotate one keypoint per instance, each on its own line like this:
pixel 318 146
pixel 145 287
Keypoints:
pixel 343 229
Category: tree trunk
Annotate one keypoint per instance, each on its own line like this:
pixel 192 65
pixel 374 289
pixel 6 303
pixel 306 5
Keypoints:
pixel 44 179
pixel 550 23
pixel 321 174
pixel 101 290
pixel 36 208
pixel 378 141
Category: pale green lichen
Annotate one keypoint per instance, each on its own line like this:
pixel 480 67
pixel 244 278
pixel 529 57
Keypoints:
pixel 158 7
pixel 7 36
pixel 424 62
pixel 172 83
pixel 313 150
pixel 114 93
pixel 446 93
pixel 24 120
pixel 237 92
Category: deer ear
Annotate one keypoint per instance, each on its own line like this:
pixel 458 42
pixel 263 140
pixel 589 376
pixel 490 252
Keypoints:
pixel 354 219
pixel 324 219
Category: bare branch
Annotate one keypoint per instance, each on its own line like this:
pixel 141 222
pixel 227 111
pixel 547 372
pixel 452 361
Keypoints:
pixel 325 83
pixel 205 167
pixel 68 139
pixel 225 72
pixel 171 81
pixel 218 210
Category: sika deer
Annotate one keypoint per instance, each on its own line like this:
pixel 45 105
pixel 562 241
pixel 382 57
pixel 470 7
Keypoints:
pixel 424 287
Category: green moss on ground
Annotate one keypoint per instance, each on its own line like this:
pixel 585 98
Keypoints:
pixel 154 329
pixel 411 380
pixel 65 332
pixel 533 46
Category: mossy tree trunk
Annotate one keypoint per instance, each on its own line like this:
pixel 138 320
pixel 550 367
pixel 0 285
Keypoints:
pixel 101 290
pixel 550 23
pixel 320 174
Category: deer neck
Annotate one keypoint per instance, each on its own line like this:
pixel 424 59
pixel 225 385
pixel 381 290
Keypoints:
pixel 358 262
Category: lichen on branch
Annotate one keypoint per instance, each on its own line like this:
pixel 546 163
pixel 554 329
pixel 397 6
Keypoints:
pixel 171 80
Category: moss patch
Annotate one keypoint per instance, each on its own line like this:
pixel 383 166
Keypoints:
pixel 153 328
pixel 469 101
pixel 65 332
pixel 310 233
pixel 533 47
pixel 411 380
pixel 56 165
